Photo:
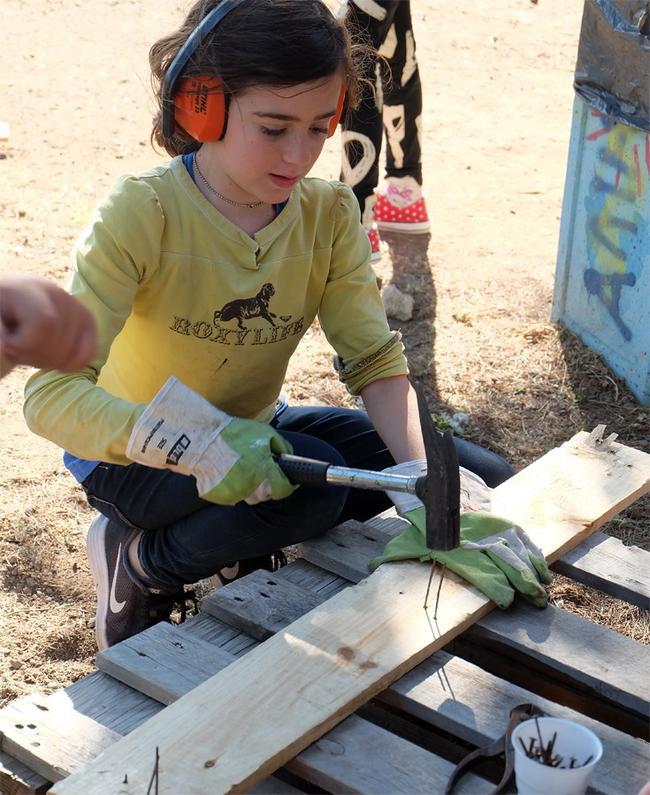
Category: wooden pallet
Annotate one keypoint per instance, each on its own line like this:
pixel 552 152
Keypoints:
pixel 408 737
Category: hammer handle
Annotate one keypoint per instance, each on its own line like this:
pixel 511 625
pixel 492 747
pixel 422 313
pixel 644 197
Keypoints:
pixel 311 472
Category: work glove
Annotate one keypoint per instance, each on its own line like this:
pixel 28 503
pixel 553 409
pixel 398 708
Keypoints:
pixel 230 458
pixel 495 555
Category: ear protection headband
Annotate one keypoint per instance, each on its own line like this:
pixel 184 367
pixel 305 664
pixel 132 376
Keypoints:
pixel 199 104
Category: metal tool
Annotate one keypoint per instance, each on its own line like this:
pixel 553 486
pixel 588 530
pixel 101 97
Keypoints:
pixel 501 746
pixel 439 489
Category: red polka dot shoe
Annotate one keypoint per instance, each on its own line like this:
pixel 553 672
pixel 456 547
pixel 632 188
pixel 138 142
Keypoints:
pixel 400 206
pixel 375 243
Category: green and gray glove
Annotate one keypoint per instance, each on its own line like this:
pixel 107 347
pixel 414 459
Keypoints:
pixel 495 555
pixel 230 458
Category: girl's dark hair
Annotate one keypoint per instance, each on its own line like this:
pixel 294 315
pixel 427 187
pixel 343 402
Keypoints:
pixel 260 42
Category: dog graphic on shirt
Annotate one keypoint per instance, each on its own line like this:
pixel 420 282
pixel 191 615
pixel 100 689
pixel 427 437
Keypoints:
pixel 245 308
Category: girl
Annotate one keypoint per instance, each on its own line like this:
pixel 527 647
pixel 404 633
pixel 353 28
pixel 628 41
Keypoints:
pixel 203 274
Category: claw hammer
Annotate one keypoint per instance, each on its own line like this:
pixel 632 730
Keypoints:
pixel 439 489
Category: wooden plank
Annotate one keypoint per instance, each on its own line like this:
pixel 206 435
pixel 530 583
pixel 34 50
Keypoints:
pixel 344 552
pixel 369 752
pixel 313 578
pixel 455 697
pixel 53 742
pixel 284 688
pixel 19 779
pixel 271 603
pixel 460 699
pixel 107 701
pixel 605 563
pixel 327 663
pixel 554 642
pixel 137 662
pixel 600 561
pixel 567 658
pixel 227 638
pixel 351 544
pixel 161 664
pixel 134 662
pixel 242 606
pixel 45 738
pixel 603 662
pixel 357 756
pixel 97 696
pixel 574 482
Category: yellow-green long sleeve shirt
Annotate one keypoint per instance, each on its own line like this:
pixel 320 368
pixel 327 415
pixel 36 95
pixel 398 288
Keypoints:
pixel 177 289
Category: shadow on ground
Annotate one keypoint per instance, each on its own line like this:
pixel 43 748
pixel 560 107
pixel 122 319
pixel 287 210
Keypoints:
pixel 412 274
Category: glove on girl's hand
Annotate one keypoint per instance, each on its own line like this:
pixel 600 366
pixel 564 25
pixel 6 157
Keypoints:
pixel 495 555
pixel 230 458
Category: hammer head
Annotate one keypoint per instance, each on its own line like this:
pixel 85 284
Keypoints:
pixel 439 489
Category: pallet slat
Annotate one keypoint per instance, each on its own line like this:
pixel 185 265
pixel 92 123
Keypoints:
pixel 338 655
pixel 161 664
pixel 355 756
pixel 261 593
pixel 602 663
pixel 461 699
pixel 51 741
pixel 553 641
pixel 605 563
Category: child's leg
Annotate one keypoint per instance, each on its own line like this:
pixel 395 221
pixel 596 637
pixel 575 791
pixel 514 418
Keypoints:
pixel 362 128
pixel 185 539
pixel 402 109
pixel 156 534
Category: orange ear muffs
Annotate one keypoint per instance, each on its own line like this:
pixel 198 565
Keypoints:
pixel 336 118
pixel 201 108
pixel 192 106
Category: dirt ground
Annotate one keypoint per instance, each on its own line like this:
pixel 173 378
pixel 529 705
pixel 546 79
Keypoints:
pixel 498 99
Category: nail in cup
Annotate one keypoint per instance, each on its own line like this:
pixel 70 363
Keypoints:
pixel 572 742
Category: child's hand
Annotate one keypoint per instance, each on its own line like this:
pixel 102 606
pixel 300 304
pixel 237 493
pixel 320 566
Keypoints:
pixel 43 326
pixel 232 459
pixel 494 555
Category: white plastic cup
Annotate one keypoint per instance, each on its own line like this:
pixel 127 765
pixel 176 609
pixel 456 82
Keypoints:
pixel 573 740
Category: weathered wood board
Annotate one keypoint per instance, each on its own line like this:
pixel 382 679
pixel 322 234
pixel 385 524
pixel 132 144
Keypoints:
pixel 605 563
pixel 263 709
pixel 446 692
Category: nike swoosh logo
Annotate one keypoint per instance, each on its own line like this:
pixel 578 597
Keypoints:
pixel 116 606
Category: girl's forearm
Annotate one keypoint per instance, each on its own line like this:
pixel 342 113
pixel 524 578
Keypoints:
pixel 392 407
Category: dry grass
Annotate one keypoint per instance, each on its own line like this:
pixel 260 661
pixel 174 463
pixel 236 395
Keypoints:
pixel 601 609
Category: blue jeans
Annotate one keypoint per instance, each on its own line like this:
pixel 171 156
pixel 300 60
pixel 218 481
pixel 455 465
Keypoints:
pixel 186 538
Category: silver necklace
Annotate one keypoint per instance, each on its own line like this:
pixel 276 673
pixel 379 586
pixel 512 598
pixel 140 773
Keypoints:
pixel 250 205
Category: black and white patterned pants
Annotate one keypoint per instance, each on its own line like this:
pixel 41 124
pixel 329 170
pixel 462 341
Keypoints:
pixel 396 110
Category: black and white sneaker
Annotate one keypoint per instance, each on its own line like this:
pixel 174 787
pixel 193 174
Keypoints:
pixel 234 571
pixel 125 605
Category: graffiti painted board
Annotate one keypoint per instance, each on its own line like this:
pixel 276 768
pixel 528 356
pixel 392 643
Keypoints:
pixel 602 281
